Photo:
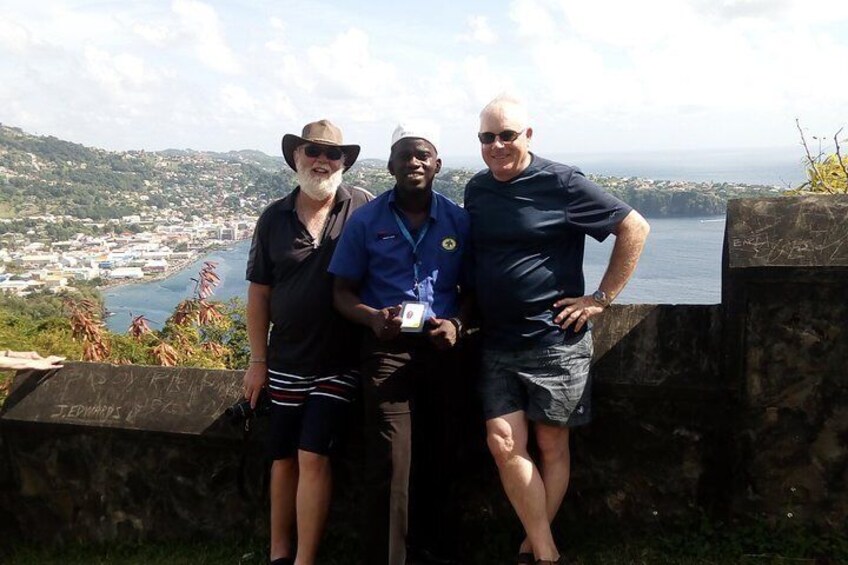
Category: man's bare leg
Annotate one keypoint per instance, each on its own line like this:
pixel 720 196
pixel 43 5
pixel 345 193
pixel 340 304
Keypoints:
pixel 507 439
pixel 313 502
pixel 554 464
pixel 283 491
pixel 555 467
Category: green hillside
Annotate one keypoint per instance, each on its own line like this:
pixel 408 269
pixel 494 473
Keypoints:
pixel 47 175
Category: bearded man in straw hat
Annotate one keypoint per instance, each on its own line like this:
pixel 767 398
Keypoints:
pixel 307 363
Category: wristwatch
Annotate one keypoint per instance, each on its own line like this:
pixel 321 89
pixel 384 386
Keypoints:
pixel 601 298
pixel 458 325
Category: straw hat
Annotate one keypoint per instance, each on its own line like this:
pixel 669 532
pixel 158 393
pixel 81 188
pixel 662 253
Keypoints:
pixel 322 132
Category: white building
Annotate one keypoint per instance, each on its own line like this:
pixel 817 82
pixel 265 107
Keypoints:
pixel 161 253
pixel 69 261
pixel 20 288
pixel 54 282
pixel 126 273
pixel 37 260
pixel 155 266
pixel 83 273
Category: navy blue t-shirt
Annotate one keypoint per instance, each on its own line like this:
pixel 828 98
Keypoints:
pixel 528 236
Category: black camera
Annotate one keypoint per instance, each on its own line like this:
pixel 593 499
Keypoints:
pixel 239 412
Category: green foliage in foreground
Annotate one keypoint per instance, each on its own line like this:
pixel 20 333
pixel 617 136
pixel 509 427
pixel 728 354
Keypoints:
pixel 705 543
pixel 40 323
pixel 37 323
pixel 828 174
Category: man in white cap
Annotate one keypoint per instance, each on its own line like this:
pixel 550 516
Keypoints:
pixel 399 267
pixel 308 362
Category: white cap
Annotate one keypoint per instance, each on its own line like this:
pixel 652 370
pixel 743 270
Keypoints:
pixel 418 130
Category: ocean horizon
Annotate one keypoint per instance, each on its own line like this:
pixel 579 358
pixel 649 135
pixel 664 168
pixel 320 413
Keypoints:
pixel 770 166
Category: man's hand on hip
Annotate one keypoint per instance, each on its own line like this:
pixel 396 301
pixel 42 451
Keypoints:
pixel 577 311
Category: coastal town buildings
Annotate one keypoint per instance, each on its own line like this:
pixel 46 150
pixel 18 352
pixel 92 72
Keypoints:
pixel 166 246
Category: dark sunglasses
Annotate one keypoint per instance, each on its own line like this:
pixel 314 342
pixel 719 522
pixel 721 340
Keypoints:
pixel 314 151
pixel 506 136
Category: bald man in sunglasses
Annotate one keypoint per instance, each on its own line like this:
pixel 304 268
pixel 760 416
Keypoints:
pixel 307 362
pixel 529 219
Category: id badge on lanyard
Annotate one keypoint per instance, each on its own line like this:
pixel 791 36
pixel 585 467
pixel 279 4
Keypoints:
pixel 413 311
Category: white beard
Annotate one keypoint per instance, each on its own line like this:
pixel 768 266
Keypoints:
pixel 317 188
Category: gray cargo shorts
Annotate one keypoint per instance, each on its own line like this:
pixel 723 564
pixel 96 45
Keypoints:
pixel 552 385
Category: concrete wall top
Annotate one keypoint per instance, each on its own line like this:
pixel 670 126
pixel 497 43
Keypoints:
pixel 802 231
pixel 131 397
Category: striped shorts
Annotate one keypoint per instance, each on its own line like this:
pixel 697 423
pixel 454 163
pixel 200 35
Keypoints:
pixel 308 412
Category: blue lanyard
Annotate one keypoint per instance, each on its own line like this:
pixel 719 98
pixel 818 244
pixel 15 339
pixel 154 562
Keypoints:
pixel 414 243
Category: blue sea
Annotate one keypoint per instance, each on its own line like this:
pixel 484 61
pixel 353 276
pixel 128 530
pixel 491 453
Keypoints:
pixel 681 264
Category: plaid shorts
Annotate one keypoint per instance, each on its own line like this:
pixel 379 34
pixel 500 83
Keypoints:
pixel 552 385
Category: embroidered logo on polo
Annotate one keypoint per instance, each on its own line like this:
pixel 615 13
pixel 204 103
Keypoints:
pixel 381 235
pixel 449 244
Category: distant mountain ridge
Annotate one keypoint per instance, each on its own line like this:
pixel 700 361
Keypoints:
pixel 244 155
pixel 44 174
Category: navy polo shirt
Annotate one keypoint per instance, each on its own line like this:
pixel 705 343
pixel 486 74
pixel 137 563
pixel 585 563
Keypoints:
pixel 374 252
pixel 528 235
pixel 308 336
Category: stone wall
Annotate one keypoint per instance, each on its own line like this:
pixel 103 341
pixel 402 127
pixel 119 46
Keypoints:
pixel 660 444
pixel 104 452
pixel 785 289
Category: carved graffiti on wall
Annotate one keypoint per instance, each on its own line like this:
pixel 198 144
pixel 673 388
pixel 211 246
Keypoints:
pixel 788 232
pixel 151 398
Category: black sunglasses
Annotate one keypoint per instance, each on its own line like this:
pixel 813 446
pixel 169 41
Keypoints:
pixel 314 151
pixel 506 136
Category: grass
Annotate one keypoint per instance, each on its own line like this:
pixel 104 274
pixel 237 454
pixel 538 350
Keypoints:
pixel 755 544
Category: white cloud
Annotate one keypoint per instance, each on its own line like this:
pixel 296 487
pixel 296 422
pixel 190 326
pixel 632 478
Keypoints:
pixel 626 24
pixel 627 63
pixel 283 106
pixel 14 37
pixel 118 72
pixel 200 22
pixel 157 34
pixel 236 100
pixel 276 46
pixel 533 17
pixel 221 75
pixel 484 82
pixel 346 68
pixel 278 43
pixel 479 31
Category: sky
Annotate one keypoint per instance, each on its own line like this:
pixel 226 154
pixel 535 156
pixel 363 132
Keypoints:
pixel 598 77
